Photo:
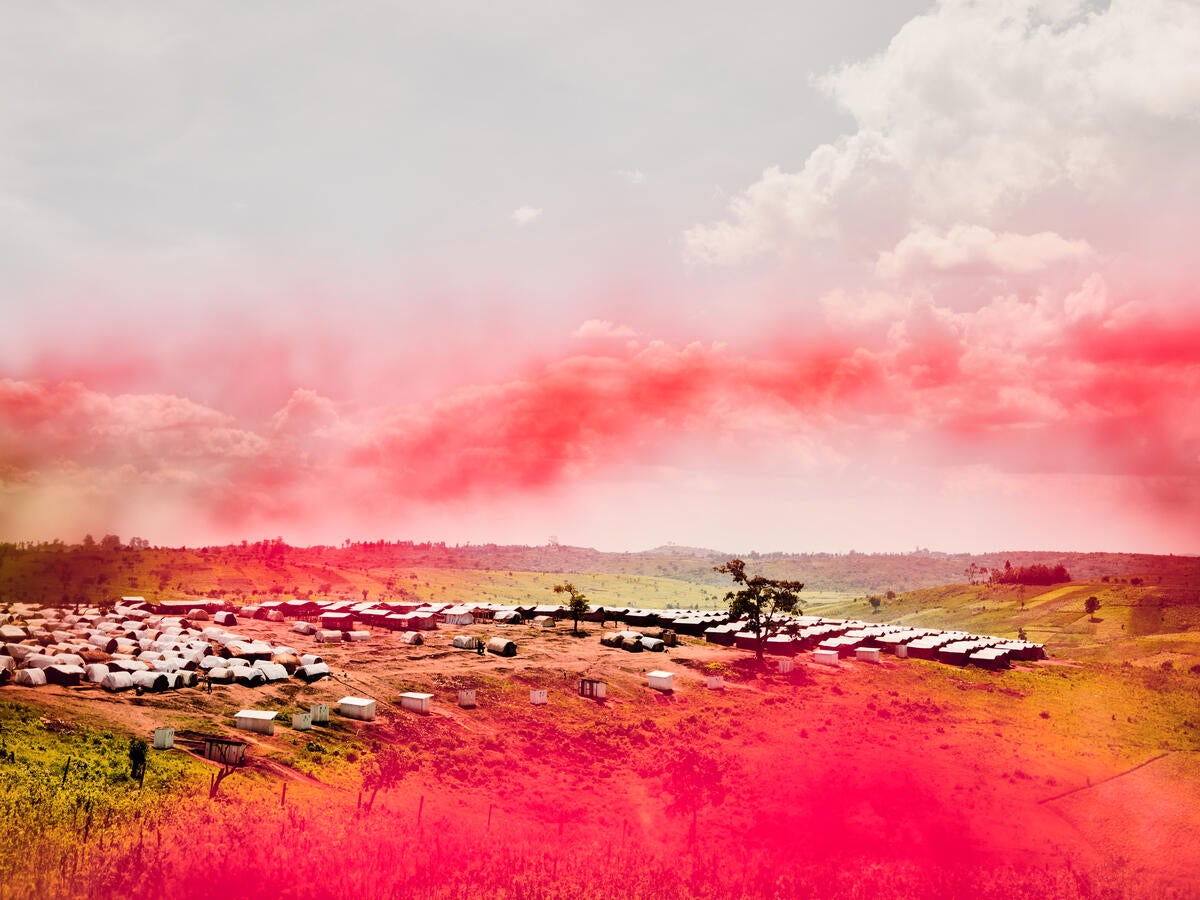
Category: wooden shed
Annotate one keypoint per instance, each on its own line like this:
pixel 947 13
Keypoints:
pixel 260 721
pixel 593 688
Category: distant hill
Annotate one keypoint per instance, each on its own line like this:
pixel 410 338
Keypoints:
pixel 62 573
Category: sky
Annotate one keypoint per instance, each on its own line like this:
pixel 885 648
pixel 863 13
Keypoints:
pixel 783 277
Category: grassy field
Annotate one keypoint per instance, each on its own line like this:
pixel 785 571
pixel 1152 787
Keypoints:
pixel 900 779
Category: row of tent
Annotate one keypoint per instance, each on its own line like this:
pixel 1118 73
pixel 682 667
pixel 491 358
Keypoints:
pixel 133 648
pixel 846 636
pixel 635 642
pixel 399 615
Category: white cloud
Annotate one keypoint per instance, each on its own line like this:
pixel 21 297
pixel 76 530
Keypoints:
pixel 974 112
pixel 975 249
pixel 602 328
pixel 633 176
pixel 525 215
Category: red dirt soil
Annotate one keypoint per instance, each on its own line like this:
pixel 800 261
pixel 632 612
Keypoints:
pixel 845 769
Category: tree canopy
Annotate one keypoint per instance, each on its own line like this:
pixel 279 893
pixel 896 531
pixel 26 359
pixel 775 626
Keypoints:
pixel 694 779
pixel 761 601
pixel 576 605
pixel 385 769
pixel 1037 574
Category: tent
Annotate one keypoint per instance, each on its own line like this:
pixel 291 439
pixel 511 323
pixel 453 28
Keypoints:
pixel 501 647
pixel 313 672
pixel 30 677
pixel 117 681
pixel 151 681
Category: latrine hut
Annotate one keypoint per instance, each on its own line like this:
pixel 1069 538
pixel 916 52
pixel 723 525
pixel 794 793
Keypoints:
pixel 260 721
pixel 360 708
pixel 227 752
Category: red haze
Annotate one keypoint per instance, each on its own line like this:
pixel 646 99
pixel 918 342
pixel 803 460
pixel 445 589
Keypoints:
pixel 1111 395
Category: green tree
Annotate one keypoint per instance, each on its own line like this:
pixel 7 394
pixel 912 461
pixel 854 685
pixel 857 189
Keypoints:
pixel 875 602
pixel 694 779
pixel 576 606
pixel 1091 605
pixel 762 601
pixel 385 769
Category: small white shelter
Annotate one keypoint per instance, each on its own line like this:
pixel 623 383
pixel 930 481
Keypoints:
pixel 785 665
pixel 716 682
pixel 320 713
pixel 867 654
pixel 661 681
pixel 418 703
pixel 539 697
pixel 261 721
pixel 302 721
pixel 825 657
pixel 357 708
pixel 466 699
pixel 164 738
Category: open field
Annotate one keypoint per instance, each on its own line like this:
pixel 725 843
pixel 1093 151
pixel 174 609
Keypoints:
pixel 1076 777
pixel 904 774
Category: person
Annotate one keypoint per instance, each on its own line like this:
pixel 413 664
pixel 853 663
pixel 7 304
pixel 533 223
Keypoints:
pixel 479 647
